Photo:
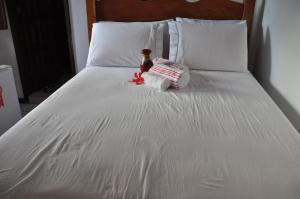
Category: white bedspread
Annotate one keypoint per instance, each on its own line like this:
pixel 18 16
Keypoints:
pixel 100 137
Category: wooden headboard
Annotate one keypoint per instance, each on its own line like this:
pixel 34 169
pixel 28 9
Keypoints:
pixel 154 10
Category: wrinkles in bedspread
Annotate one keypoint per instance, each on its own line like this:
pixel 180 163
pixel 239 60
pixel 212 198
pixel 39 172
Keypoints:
pixel 214 139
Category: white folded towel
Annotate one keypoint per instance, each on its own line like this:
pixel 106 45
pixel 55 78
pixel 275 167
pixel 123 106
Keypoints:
pixel 178 74
pixel 155 81
pixel 185 78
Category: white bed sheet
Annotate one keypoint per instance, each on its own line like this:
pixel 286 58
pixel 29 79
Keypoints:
pixel 100 136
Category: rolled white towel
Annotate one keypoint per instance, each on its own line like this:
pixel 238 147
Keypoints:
pixel 155 81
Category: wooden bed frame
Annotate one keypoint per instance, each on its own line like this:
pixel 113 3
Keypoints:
pixel 154 10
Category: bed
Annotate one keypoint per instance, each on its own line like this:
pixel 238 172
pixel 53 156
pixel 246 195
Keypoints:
pixel 100 136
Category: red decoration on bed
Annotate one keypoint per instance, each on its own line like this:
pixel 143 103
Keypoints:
pixel 1 98
pixel 138 79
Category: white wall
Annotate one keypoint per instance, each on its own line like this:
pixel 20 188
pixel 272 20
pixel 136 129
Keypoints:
pixel 8 57
pixel 277 64
pixel 10 113
pixel 79 32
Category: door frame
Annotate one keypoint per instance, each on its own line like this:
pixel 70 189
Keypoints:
pixel 70 44
pixel 3 22
pixel 70 37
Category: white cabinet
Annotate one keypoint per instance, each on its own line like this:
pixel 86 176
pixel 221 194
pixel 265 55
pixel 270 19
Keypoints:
pixel 10 113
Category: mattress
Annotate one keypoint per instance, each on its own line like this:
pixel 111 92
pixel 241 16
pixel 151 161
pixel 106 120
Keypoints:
pixel 100 136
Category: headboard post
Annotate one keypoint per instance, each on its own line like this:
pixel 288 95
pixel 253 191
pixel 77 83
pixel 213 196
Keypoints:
pixel 91 15
pixel 249 6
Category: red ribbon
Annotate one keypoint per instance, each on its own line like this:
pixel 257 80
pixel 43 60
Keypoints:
pixel 1 98
pixel 138 79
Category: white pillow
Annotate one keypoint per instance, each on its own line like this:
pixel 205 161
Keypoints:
pixel 166 35
pixel 120 44
pixel 209 45
pixel 180 19
pixel 166 39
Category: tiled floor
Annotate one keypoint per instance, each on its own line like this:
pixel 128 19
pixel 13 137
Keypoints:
pixel 26 108
pixel 33 101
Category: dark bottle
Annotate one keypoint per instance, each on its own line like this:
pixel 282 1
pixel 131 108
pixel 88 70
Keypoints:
pixel 146 62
